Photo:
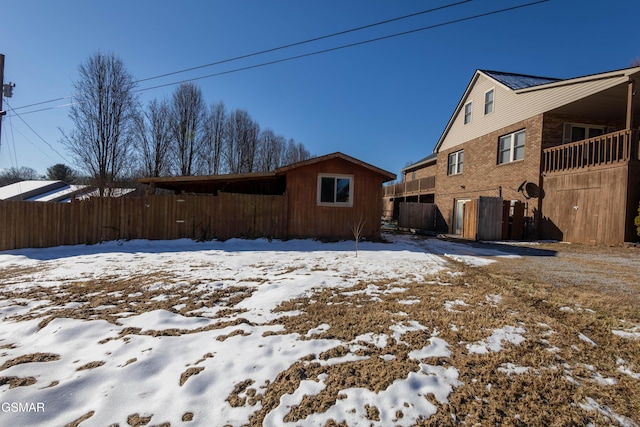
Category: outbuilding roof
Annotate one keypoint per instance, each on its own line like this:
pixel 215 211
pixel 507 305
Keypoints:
pixel 261 182
pixel 337 155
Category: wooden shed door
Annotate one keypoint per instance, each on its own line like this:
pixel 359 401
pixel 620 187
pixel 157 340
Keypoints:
pixel 579 220
pixel 585 224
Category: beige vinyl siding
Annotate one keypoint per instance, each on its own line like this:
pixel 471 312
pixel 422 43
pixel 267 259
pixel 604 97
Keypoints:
pixel 514 106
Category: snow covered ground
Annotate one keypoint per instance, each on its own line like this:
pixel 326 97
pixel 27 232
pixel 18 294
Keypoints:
pixel 187 333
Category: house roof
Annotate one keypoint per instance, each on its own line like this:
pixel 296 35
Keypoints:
pixel 522 84
pixel 269 182
pixel 24 189
pixel 53 191
pixel 518 81
pixel 430 159
pixel 40 191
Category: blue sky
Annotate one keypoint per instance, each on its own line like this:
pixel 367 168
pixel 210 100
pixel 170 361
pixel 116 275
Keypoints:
pixel 385 103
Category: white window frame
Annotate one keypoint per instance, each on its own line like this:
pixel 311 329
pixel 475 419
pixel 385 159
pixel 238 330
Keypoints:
pixel 336 177
pixel 512 146
pixel 467 116
pixel 457 163
pixel 491 104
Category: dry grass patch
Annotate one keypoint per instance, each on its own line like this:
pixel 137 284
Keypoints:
pixel 251 397
pixel 17 381
pixel 189 373
pixel 563 367
pixel 107 298
pixel 136 420
pixel 565 358
pixel 90 365
pixel 30 358
pixel 77 422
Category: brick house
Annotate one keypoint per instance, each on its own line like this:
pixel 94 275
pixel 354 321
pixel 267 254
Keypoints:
pixel 567 148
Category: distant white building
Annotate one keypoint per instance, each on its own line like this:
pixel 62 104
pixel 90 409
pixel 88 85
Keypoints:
pixel 42 191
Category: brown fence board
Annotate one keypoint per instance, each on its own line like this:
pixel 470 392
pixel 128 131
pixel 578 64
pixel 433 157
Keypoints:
pixel 470 220
pixel 421 216
pixel 38 224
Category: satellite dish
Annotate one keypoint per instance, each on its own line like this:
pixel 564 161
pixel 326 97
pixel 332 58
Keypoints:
pixel 529 190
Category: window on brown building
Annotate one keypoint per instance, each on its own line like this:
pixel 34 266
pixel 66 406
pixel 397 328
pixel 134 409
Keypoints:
pixel 455 162
pixel 511 147
pixel 335 190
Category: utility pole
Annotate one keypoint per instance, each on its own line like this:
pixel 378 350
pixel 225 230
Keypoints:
pixel 7 91
pixel 2 112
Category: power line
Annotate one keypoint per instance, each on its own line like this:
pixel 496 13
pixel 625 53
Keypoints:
pixel 286 46
pixel 35 133
pixel 44 102
pixel 14 159
pixel 333 49
pixel 305 55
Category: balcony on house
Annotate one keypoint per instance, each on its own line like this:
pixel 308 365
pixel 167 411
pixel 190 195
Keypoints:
pixel 615 148
pixel 413 188
pixel 420 190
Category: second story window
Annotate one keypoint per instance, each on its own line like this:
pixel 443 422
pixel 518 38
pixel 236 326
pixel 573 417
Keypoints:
pixel 488 102
pixel 455 163
pixel 511 147
pixel 467 112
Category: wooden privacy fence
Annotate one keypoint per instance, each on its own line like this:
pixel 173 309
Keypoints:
pixel 421 216
pixel 491 218
pixel 38 224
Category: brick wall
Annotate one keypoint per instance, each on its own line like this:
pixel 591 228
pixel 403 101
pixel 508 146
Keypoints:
pixel 483 176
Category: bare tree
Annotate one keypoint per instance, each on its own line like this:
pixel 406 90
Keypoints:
pixel 214 139
pixel 103 114
pixel 270 151
pixel 295 152
pixel 356 229
pixel 153 131
pixel 187 116
pixel 13 175
pixel 242 142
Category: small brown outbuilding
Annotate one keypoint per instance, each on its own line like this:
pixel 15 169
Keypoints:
pixel 325 196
